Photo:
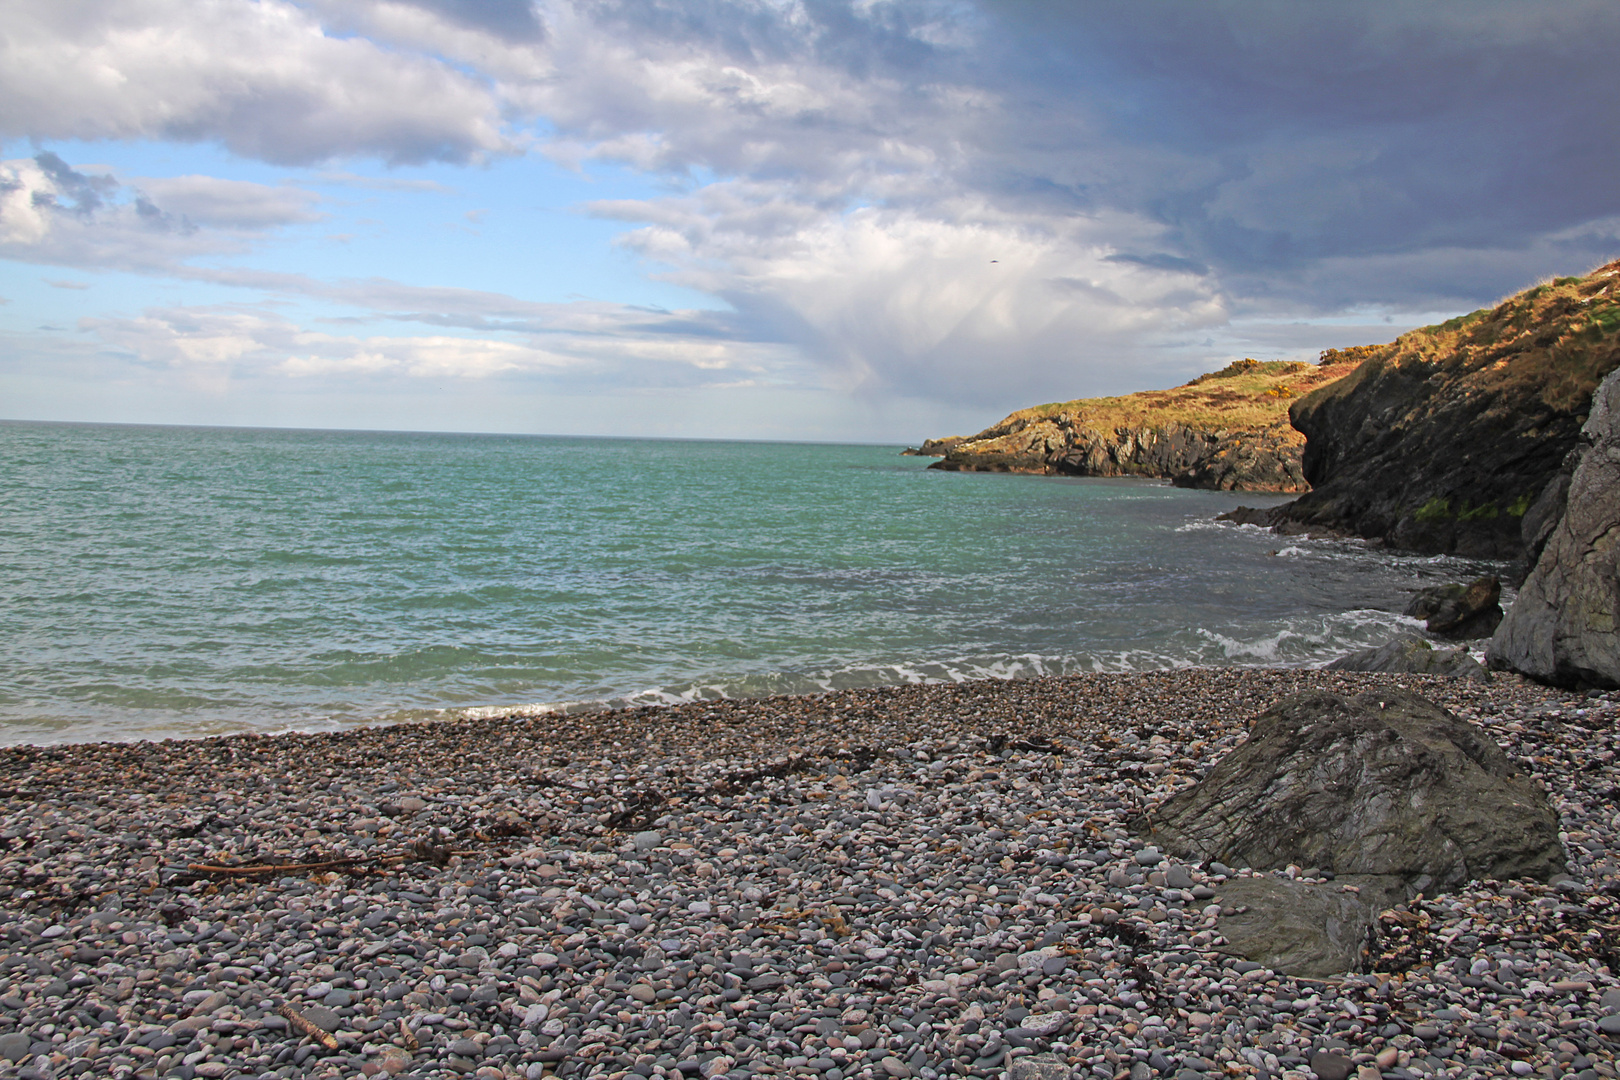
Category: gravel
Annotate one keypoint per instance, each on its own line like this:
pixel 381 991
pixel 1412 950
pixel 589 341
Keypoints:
pixel 920 881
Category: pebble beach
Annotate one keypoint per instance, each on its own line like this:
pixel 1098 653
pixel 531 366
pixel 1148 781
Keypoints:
pixel 921 881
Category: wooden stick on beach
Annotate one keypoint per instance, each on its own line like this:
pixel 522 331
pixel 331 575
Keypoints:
pixel 305 1026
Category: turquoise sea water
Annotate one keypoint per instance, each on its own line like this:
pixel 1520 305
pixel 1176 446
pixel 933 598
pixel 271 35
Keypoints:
pixel 184 581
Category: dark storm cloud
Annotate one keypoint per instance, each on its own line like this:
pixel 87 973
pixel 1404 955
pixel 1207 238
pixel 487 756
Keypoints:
pixel 1272 135
pixel 1161 261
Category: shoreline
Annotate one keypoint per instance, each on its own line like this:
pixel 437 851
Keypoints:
pixel 646 891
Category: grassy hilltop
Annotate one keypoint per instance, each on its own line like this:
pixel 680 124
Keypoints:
pixel 1227 430
pixel 1245 394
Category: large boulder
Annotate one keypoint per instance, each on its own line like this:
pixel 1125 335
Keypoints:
pixel 1385 783
pixel 1564 628
pixel 1411 655
pixel 1386 790
pixel 1460 612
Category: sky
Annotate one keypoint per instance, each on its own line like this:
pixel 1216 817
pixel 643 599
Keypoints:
pixel 828 220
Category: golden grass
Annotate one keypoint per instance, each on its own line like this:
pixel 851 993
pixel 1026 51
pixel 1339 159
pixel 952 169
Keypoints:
pixel 1561 336
pixel 1243 395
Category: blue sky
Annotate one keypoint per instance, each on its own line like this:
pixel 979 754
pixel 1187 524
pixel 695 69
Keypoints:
pixel 874 220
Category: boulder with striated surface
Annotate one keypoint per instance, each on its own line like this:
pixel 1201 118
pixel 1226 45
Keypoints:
pixel 1382 783
pixel 1386 790
pixel 1564 628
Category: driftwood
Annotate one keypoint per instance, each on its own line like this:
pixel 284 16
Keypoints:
pixel 291 868
pixel 406 1038
pixel 421 851
pixel 305 1026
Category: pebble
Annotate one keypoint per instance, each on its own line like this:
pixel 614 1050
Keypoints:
pixel 1328 1065
pixel 923 881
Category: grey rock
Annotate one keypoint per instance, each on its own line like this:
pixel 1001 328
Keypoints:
pixel 1459 611
pixel 1038 1067
pixel 1610 1025
pixel 1177 877
pixel 211 1004
pixel 466 1048
pixel 338 999
pixel 1149 857
pixel 1410 654
pixel 1386 783
pixel 322 1017
pixel 14 1046
pixel 646 841
pixel 1563 627
pixel 1328 1065
pixel 1611 999
pixel 1311 930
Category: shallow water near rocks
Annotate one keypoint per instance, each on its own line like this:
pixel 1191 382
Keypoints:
pixel 187 581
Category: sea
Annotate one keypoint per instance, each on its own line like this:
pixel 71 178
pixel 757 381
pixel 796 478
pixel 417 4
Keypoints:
pixel 160 582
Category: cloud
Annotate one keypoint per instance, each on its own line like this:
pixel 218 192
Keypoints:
pixel 578 348
pixel 229 204
pixel 922 198
pixel 57 283
pixel 53 214
pixel 1160 261
pixel 263 79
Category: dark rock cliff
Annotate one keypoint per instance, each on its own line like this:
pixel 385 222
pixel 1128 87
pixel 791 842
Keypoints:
pixel 1443 440
pixel 1564 628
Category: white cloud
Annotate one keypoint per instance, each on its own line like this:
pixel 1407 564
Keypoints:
pixel 602 347
pixel 962 303
pixel 230 204
pixel 262 78
pixel 54 214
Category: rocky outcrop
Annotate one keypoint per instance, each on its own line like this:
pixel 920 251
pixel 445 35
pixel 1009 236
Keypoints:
pixel 1445 439
pixel 1564 628
pixel 1061 446
pixel 934 447
pixel 1388 791
pixel 1412 655
pixel 1226 431
pixel 1460 612
pixel 1385 783
pixel 1263 459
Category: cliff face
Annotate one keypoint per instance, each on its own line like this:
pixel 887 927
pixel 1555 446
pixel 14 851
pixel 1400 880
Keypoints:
pixel 1564 628
pixel 1227 430
pixel 1442 440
